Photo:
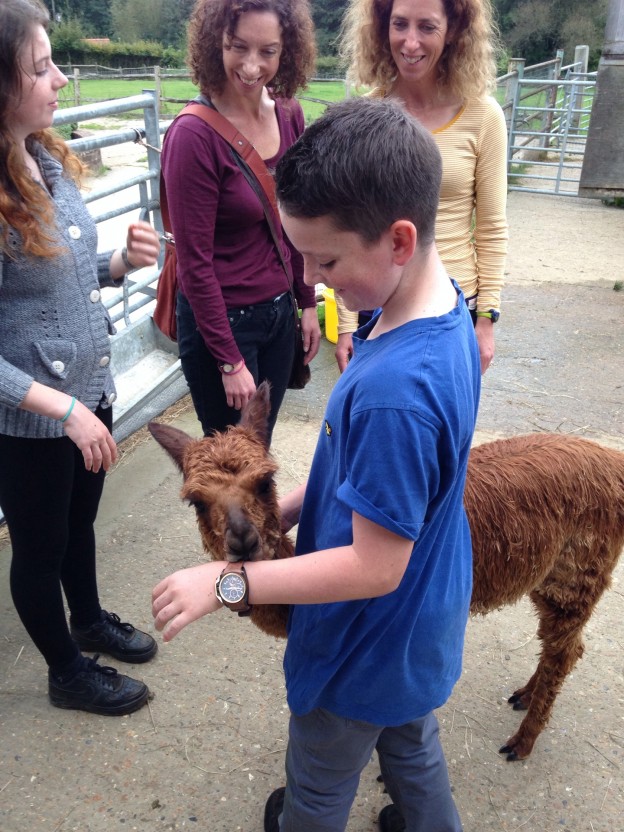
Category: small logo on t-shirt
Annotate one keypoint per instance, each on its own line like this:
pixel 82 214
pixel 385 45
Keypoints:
pixel 328 428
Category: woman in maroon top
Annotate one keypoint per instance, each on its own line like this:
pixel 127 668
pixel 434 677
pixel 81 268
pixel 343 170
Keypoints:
pixel 234 313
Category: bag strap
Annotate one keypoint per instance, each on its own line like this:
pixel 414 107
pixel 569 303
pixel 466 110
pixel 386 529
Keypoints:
pixel 239 143
pixel 253 169
pixel 256 186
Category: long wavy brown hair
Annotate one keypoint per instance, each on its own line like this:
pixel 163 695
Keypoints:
pixel 211 19
pixel 23 204
pixel 467 67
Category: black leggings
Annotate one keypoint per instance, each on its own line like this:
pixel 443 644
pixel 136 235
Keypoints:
pixel 50 503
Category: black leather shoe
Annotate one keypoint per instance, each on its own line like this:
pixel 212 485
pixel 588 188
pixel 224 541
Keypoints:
pixel 273 809
pixel 98 690
pixel 390 819
pixel 115 638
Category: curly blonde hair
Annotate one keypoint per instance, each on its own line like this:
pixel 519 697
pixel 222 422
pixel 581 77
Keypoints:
pixel 467 67
pixel 211 19
pixel 24 206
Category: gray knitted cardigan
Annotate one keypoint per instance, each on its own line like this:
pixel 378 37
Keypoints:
pixel 53 326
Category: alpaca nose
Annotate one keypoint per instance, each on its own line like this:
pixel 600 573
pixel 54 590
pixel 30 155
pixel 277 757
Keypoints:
pixel 242 540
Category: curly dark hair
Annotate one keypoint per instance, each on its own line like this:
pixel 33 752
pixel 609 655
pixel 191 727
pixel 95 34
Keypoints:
pixel 211 19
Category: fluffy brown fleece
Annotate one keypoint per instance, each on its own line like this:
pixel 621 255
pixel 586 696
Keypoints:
pixel 546 514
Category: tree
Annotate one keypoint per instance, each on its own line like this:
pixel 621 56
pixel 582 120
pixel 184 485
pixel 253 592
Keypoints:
pixel 535 29
pixel 159 20
pixel 327 16
pixel 94 15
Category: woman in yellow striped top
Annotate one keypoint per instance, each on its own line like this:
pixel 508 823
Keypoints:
pixel 437 57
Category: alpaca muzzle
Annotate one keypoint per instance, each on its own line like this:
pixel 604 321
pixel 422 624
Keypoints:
pixel 242 540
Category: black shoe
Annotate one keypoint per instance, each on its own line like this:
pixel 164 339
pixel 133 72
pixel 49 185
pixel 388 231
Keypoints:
pixel 98 690
pixel 111 636
pixel 273 809
pixel 390 819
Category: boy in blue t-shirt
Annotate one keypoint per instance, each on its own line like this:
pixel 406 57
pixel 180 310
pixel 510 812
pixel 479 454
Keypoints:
pixel 380 587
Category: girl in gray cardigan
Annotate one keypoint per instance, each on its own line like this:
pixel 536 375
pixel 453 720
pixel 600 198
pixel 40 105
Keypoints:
pixel 56 388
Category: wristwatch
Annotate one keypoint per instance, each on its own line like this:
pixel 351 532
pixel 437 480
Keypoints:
pixel 232 588
pixel 228 369
pixel 492 314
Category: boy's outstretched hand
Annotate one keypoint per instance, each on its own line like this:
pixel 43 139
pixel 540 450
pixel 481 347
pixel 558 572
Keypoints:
pixel 184 597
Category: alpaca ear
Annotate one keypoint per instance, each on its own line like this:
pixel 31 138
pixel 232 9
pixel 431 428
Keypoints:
pixel 255 415
pixel 174 441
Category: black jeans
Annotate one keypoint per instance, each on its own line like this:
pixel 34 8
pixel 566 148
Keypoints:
pixel 265 336
pixel 50 503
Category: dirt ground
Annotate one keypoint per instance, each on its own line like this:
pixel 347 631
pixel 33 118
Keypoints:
pixel 210 747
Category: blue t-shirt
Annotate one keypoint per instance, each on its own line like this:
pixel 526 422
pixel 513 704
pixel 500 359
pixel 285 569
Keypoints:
pixel 393 448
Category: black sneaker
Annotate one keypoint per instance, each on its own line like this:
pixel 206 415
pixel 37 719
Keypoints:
pixel 273 809
pixel 115 638
pixel 390 819
pixel 98 690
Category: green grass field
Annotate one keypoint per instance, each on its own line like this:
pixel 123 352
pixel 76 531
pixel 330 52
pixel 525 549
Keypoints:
pixel 105 89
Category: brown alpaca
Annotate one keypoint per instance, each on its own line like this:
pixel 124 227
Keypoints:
pixel 546 514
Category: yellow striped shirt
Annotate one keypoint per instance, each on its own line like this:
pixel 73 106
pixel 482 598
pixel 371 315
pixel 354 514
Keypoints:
pixel 473 146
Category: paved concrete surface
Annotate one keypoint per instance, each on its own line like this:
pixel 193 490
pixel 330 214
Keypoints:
pixel 210 747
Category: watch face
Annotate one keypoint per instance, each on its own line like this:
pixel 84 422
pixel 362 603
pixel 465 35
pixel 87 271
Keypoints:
pixel 227 368
pixel 232 588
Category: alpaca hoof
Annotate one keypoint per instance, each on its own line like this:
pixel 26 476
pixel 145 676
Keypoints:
pixel 516 700
pixel 512 756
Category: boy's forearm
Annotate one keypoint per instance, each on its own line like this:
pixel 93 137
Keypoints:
pixel 370 567
pixel 318 578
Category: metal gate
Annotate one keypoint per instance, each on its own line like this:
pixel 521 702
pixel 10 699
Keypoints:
pixel 548 122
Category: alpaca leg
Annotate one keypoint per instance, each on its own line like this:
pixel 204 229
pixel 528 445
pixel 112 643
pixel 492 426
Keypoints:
pixel 560 631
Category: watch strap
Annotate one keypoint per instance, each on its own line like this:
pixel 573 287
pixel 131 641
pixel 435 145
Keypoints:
pixel 492 314
pixel 242 607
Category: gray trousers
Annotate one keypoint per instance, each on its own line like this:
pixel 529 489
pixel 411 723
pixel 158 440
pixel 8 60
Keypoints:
pixel 326 755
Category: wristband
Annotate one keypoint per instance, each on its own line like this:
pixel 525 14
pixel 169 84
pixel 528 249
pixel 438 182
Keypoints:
pixel 71 407
pixel 124 257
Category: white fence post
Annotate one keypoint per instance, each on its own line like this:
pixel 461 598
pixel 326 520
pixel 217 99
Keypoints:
pixel 157 88
pixel 76 87
pixel 515 68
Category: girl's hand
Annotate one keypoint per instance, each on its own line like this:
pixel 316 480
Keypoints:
pixel 311 332
pixel 484 330
pixel 184 597
pixel 142 244
pixel 239 388
pixel 92 438
pixel 344 350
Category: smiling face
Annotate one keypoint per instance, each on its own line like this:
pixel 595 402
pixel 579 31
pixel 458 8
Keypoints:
pixel 41 80
pixel 417 35
pixel 363 274
pixel 251 55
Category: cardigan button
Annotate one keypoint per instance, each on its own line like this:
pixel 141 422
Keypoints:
pixel 74 232
pixel 58 366
pixel 94 296
pixel 104 361
pixel 111 398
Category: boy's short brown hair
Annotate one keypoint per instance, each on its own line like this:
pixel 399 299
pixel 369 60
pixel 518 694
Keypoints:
pixel 365 163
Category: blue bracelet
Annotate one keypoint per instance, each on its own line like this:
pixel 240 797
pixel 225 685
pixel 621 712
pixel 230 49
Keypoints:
pixel 71 407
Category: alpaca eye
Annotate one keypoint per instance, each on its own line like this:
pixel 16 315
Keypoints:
pixel 265 486
pixel 199 506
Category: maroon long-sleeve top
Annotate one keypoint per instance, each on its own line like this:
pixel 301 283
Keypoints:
pixel 225 253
